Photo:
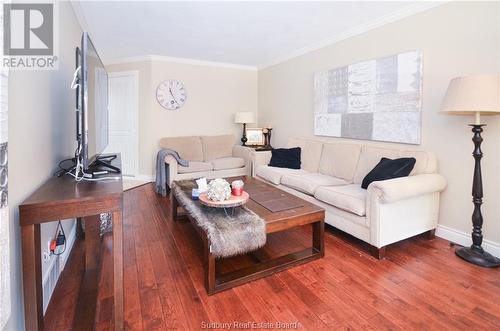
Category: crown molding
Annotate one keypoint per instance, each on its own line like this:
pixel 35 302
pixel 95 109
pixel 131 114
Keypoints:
pixel 80 16
pixel 360 29
pixel 357 30
pixel 161 58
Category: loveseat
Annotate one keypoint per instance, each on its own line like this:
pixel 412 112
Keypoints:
pixel 208 156
pixel 331 174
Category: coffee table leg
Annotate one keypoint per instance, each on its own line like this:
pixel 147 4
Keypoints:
pixel 209 268
pixel 174 204
pixel 319 236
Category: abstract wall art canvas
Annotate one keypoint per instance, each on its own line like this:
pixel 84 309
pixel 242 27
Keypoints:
pixel 378 99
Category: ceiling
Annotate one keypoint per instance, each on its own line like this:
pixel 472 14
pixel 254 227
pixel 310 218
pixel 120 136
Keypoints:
pixel 253 34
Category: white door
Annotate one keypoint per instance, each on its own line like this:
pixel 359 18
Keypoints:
pixel 123 119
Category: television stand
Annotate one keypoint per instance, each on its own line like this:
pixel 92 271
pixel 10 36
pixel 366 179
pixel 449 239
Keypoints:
pixel 104 162
pixel 64 198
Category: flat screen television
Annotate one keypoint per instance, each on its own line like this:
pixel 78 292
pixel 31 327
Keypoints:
pixel 93 125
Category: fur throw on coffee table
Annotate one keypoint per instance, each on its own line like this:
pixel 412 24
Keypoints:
pixel 240 233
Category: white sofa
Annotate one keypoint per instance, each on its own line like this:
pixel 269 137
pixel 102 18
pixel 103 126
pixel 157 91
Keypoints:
pixel 331 174
pixel 208 156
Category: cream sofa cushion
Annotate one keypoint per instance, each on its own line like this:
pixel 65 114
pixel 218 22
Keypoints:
pixel 426 162
pixel 274 174
pixel 371 155
pixel 216 147
pixel 195 166
pixel 369 158
pixel 339 160
pixel 310 152
pixel 309 182
pixel 228 163
pixel 351 198
pixel 189 148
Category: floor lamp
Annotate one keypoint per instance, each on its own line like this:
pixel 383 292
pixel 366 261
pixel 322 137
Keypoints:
pixel 478 95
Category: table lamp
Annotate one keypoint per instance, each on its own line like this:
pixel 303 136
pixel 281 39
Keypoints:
pixel 477 95
pixel 244 118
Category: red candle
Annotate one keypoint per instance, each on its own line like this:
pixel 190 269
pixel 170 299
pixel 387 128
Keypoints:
pixel 237 191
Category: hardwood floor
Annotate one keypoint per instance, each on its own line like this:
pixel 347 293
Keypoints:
pixel 421 285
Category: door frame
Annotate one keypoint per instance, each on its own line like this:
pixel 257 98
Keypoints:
pixel 135 124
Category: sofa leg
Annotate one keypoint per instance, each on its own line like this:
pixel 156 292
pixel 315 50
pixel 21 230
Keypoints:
pixel 431 234
pixel 378 253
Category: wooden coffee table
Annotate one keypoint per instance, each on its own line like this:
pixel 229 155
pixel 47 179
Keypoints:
pixel 302 213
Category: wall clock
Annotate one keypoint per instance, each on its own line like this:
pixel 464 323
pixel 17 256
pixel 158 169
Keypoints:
pixel 171 94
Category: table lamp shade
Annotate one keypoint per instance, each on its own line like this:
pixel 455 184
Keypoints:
pixel 244 117
pixel 473 94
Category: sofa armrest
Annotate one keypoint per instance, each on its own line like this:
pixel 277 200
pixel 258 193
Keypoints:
pixel 244 153
pixel 406 187
pixel 260 158
pixel 400 208
pixel 172 167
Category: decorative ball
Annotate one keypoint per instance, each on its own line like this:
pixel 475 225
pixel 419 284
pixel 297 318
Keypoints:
pixel 219 190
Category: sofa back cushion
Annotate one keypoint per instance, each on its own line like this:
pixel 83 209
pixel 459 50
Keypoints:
pixel 389 169
pixel 370 156
pixel 426 162
pixel 216 147
pixel 339 160
pixel 189 148
pixel 310 152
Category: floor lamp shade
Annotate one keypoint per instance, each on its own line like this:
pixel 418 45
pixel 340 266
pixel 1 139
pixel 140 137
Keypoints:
pixel 477 95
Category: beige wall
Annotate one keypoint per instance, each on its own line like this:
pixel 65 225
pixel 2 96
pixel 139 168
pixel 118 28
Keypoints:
pixel 41 133
pixel 214 94
pixel 456 39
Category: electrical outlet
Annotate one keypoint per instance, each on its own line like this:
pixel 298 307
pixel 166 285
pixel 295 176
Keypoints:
pixel 46 256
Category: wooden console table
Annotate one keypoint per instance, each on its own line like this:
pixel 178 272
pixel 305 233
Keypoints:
pixel 63 198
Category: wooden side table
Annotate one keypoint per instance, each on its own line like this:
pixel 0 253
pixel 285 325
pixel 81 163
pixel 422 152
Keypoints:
pixel 63 198
pixel 260 148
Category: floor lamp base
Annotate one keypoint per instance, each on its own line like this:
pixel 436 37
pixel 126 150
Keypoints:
pixel 478 257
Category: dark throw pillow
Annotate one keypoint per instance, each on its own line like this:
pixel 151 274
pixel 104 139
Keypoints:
pixel 388 169
pixel 285 158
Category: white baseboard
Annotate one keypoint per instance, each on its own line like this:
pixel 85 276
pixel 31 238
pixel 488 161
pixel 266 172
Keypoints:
pixel 464 239
pixel 144 178
pixel 70 240
pixel 56 267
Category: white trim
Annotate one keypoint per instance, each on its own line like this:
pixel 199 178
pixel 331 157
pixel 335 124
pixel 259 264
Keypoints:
pixel 60 261
pixel 70 240
pixel 130 59
pixel 135 75
pixel 146 58
pixel 80 16
pixel 464 239
pixel 357 30
pixel 145 178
